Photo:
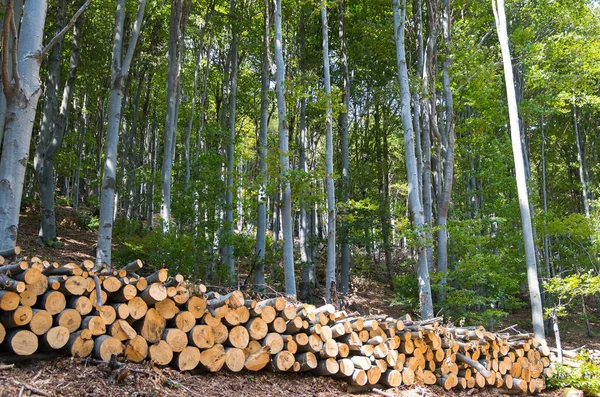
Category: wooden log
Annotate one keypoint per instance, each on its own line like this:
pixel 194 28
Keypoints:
pixel 257 328
pixel 237 316
pixel 480 368
pixel 9 300
pixel 183 320
pixel 187 359
pixel 159 276
pixel 14 268
pixel 196 306
pixel 82 304
pixel 136 349
pixel 374 374
pixel 121 310
pixel 447 381
pixel 238 337
pixel 80 344
pixel 56 338
pixel 40 323
pixel 221 333
pixel 201 336
pixel 294 325
pixel 124 294
pixel 391 378
pixel 278 325
pixel 106 313
pixel 307 361
pixel 288 313
pixel 68 318
pixel 10 252
pixel 122 331
pixel 160 353
pixel 28 298
pixel 9 284
pixel 329 350
pixel 29 276
pixel 140 283
pixel 234 359
pixel 234 299
pixel 282 361
pixel 210 320
pixel 155 292
pixel 137 308
pixel 213 358
pixel 37 288
pixel 259 359
pixel 175 338
pixel 95 324
pixel 53 301
pixel 105 346
pixel 274 341
pixel 133 266
pixel 151 327
pixel 74 285
pixel 16 318
pixel 278 303
pixel 167 308
pixel 267 313
pixel 358 378
pixel 408 376
pixel 20 342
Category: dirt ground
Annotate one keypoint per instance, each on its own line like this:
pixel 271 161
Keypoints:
pixel 66 376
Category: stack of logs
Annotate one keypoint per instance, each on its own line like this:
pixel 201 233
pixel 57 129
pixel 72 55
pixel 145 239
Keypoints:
pixel 46 306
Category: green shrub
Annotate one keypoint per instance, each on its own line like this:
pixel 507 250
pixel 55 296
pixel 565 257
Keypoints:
pixel 86 220
pixel 585 378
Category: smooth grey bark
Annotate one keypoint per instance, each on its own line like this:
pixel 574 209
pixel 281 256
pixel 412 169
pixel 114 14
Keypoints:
pixel 170 119
pixel 81 129
pixel 330 283
pixel 228 248
pixel 43 173
pixel 532 277
pixel 304 232
pixel 582 163
pixel 286 208
pixel 545 199
pixel 119 70
pixel 22 95
pixel 345 265
pixel 448 157
pixel 415 205
pixel 261 223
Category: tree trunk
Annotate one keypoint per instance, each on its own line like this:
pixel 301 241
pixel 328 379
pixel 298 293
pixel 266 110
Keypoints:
pixel 345 279
pixel 21 97
pixel 261 229
pixel 330 283
pixel 170 120
pixel 119 71
pixel 286 210
pixel 448 159
pixel 534 288
pixel 81 128
pixel 582 163
pixel 304 232
pixel 415 204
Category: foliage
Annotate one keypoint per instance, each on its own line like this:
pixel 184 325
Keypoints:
pixel 585 377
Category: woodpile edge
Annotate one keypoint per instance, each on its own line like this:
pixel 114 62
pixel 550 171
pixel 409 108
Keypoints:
pixel 51 307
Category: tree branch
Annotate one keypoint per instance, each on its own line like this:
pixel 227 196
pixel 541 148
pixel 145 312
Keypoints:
pixel 135 33
pixel 64 30
pixel 5 39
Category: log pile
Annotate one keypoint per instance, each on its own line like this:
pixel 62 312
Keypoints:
pixel 48 307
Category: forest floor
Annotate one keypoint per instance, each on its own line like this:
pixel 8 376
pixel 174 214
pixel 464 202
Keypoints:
pixel 65 376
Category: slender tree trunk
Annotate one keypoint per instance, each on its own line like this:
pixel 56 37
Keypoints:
pixel 286 209
pixel 81 129
pixel 42 168
pixel 119 71
pixel 330 283
pixel 545 200
pixel 261 229
pixel 534 288
pixel 304 232
pixel 448 158
pixel 228 248
pixel 581 161
pixel 415 204
pixel 345 279
pixel 170 121
pixel 21 101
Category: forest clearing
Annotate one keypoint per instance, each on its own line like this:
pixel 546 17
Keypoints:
pixel 310 197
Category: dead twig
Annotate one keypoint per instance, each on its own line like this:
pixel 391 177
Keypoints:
pixel 30 388
pixel 383 393
pixel 6 366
